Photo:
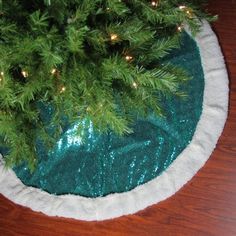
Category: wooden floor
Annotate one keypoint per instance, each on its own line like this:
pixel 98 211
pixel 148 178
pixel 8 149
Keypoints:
pixel 205 206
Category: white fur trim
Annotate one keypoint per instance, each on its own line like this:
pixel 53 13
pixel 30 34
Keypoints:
pixel 194 156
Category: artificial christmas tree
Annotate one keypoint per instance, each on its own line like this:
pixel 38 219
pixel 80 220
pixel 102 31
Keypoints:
pixel 98 60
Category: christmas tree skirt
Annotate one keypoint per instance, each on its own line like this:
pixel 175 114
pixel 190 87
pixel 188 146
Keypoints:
pixel 106 176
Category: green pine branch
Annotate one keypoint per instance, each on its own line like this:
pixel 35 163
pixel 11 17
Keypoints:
pixel 99 61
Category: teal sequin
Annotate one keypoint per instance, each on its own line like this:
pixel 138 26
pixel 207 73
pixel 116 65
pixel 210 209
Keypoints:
pixel 105 164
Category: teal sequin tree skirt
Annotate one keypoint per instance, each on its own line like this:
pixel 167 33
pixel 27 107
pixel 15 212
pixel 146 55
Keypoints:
pixel 104 164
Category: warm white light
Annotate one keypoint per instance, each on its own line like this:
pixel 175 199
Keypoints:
pixel 179 28
pixel 1 77
pixel 114 37
pixel 135 85
pixel 25 73
pixel 128 58
pixel 189 13
pixel 182 7
pixel 154 3
pixel 63 89
pixel 53 71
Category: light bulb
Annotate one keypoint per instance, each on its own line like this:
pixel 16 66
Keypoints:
pixel 135 85
pixel 63 89
pixel 154 3
pixel 114 37
pixel 179 28
pixel 53 71
pixel 128 58
pixel 189 13
pixel 1 76
pixel 25 73
pixel 182 7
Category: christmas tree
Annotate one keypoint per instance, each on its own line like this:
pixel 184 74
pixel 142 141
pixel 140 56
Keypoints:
pixel 99 60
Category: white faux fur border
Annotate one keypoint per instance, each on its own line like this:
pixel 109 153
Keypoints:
pixel 209 128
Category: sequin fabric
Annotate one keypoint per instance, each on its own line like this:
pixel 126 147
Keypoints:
pixel 104 164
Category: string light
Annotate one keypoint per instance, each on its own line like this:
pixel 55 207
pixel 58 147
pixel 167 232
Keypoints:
pixel 128 58
pixel 25 73
pixel 180 28
pixel 53 71
pixel 1 76
pixel 187 10
pixel 154 3
pixel 135 85
pixel 182 7
pixel 63 89
pixel 189 13
pixel 114 37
